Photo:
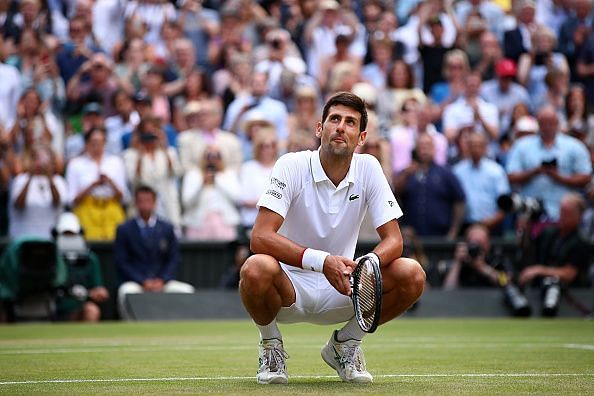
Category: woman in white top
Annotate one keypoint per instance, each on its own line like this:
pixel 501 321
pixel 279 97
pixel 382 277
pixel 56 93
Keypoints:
pixel 209 198
pixel 97 187
pixel 37 196
pixel 254 175
pixel 152 162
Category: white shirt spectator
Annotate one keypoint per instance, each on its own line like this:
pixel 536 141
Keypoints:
pixel 10 93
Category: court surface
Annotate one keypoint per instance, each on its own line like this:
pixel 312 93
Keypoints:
pixel 406 356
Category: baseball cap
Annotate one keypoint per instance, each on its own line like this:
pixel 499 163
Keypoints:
pixel 68 222
pixel 92 108
pixel 506 68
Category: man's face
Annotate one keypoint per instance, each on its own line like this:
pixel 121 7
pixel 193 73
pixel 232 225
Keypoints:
pixel 569 215
pixel 339 133
pixel 477 146
pixel 145 204
pixel 548 123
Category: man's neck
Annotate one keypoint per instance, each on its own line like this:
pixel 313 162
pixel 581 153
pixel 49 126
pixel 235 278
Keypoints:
pixel 335 167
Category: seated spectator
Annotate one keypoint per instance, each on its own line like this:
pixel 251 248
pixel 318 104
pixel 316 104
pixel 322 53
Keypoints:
pixel 431 196
pixel 549 164
pixel 146 253
pixel 152 163
pixel 196 87
pixel 475 263
pixel 303 119
pixel 37 196
pixel 84 290
pixel 483 181
pixel 131 64
pixel 210 193
pixel 97 187
pixel 562 255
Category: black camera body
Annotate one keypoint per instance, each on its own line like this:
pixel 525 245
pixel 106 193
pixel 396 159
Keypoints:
pixel 540 58
pixel 551 163
pixel 474 250
pixel 514 203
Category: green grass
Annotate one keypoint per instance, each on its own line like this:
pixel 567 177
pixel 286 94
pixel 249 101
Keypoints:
pixel 409 356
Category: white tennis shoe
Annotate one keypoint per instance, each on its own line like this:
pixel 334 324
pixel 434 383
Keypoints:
pixel 347 359
pixel 272 368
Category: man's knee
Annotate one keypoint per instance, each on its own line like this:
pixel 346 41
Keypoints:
pixel 407 273
pixel 91 312
pixel 258 271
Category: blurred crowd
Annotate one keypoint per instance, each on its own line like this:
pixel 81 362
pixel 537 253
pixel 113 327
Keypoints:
pixel 469 101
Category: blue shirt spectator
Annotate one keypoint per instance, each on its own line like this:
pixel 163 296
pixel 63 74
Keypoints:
pixel 549 165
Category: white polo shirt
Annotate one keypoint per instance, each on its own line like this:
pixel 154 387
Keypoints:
pixel 320 215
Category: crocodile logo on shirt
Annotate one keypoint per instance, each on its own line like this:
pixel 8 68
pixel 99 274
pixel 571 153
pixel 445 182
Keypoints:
pixel 352 197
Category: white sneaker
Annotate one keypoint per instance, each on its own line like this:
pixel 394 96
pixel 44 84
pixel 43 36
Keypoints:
pixel 272 368
pixel 347 359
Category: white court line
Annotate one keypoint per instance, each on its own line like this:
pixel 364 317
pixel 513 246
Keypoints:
pixel 231 378
pixel 579 346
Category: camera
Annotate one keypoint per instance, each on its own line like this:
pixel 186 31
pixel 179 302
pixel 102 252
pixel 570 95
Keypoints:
pixel 551 163
pixel 147 137
pixel 276 43
pixel 551 293
pixel 514 203
pixel 540 58
pixel 516 301
pixel 75 253
pixel 474 250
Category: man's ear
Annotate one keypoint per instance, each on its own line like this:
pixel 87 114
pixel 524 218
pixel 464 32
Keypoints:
pixel 319 130
pixel 362 137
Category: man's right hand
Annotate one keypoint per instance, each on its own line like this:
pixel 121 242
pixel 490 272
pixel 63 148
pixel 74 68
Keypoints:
pixel 338 270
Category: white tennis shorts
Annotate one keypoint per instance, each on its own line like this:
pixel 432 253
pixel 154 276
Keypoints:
pixel 316 300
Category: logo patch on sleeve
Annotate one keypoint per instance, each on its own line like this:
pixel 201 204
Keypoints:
pixel 275 182
pixel 275 194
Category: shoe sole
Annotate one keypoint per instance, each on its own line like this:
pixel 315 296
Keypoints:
pixel 274 381
pixel 330 362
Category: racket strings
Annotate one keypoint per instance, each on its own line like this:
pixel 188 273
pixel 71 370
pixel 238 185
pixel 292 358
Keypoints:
pixel 367 294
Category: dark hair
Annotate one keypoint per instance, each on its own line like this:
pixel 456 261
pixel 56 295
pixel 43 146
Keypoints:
pixel 410 83
pixel 143 188
pixel 92 129
pixel 347 99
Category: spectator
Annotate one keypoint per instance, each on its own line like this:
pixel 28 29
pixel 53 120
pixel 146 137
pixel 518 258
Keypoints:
pixel 131 64
pixel 196 88
pixel 455 70
pixel 122 123
pixel 100 86
pixel 518 41
pixel 210 193
pixel 258 101
pixel 37 196
pixel 376 71
pixel 561 255
pixel 431 195
pixel 414 120
pixel 152 163
pixel 10 90
pixel 489 56
pixel 432 55
pixel 153 14
pixel 91 117
pixel 578 118
pixel 490 12
pixel 146 253
pixel 575 31
pixel 199 24
pixel 548 165
pixel 556 82
pixel 400 86
pixel 97 187
pixel 303 119
pixel 203 120
pixel 153 84
pixel 475 262
pixel 585 69
pixel 471 109
pixel 235 80
pixel 75 52
pixel 533 66
pixel 341 56
pixel 83 289
pixel 483 181
pixel 504 92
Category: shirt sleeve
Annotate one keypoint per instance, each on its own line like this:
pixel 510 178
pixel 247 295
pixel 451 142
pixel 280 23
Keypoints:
pixel 381 203
pixel 283 184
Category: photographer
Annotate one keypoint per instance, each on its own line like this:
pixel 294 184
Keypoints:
pixel 474 261
pixel 84 290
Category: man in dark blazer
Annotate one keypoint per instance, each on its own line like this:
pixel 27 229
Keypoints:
pixel 146 253
pixel 518 40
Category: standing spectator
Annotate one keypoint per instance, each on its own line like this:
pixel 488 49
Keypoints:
pixel 199 24
pixel 153 13
pixel 549 165
pixel 152 163
pixel 258 101
pixel 122 123
pixel 210 193
pixel 533 66
pixel 76 51
pixel 483 181
pixel 196 88
pixel 585 69
pixel 518 41
pixel 131 64
pixel 97 187
pixel 471 109
pixel 491 13
pixel 100 86
pixel 503 92
pixel 432 55
pixel 10 91
pixel 146 253
pixel 431 195
pixel 489 56
pixel 303 119
pixel 455 70
pixel 203 120
pixel 37 196
pixel 575 31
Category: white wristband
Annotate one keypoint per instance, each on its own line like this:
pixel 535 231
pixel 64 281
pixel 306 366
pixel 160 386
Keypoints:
pixel 314 259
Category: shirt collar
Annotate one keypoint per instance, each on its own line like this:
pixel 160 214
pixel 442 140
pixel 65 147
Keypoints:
pixel 151 222
pixel 320 175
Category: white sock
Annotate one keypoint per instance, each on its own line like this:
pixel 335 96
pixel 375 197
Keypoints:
pixel 350 331
pixel 269 331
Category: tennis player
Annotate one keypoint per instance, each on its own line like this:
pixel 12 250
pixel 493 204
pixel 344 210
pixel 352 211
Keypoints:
pixel 304 241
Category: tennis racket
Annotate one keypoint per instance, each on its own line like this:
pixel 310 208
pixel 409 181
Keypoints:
pixel 366 287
